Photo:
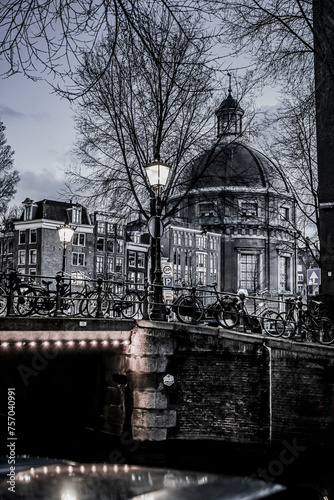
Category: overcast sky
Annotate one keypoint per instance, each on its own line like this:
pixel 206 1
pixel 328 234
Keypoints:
pixel 40 129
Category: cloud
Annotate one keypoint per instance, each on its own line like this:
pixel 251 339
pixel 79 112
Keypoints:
pixel 7 112
pixel 38 186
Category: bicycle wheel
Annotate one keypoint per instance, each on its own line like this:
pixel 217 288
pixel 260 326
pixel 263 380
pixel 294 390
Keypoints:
pixel 272 323
pixel 323 331
pixel 131 305
pixel 290 326
pixel 44 305
pixel 24 301
pixel 189 310
pixel 3 302
pixel 92 304
pixel 71 303
pixel 227 316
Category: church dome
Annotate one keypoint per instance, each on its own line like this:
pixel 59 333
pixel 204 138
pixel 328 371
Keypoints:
pixel 235 165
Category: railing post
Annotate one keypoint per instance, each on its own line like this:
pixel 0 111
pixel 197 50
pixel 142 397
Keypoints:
pixel 193 306
pixel 145 301
pixel 242 297
pixel 10 299
pixel 99 298
pixel 58 311
pixel 299 318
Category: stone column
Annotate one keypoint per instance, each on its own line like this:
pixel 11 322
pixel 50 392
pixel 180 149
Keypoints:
pixel 150 350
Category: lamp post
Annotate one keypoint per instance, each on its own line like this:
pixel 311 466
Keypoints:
pixel 157 173
pixel 65 233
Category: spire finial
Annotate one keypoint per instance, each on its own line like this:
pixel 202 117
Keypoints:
pixel 229 83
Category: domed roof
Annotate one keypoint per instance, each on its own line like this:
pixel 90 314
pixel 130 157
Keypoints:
pixel 229 104
pixel 235 165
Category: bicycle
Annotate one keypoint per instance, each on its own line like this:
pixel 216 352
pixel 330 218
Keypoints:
pixel 301 324
pixel 47 300
pixel 110 302
pixel 263 317
pixel 191 309
pixel 16 295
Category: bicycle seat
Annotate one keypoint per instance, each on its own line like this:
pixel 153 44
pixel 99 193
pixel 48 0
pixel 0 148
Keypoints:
pixel 46 283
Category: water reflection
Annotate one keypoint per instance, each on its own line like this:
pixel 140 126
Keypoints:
pixel 97 481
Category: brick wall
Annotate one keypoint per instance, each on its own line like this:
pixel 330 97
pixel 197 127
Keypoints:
pixel 228 385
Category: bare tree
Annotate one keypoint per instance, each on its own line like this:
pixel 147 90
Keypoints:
pixel 291 138
pixel 8 177
pixel 153 98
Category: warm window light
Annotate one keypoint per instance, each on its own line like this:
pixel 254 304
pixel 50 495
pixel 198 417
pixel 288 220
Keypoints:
pixel 157 173
pixel 65 233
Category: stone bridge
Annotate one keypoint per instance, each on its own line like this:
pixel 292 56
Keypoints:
pixel 158 381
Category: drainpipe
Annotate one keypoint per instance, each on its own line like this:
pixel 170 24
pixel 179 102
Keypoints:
pixel 270 393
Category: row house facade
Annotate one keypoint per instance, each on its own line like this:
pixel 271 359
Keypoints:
pixel 101 246
pixel 36 244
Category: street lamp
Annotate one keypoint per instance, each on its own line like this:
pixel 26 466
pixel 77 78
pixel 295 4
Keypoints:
pixel 65 233
pixel 157 173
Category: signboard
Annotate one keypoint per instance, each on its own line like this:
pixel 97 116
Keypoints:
pixel 314 276
pixel 167 274
pixel 168 281
pixel 155 227
pixel 168 379
pixel 167 269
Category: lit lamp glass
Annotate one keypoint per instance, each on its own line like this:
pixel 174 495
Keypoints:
pixel 65 233
pixel 157 173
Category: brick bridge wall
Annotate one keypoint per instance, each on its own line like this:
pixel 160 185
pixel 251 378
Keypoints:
pixel 228 385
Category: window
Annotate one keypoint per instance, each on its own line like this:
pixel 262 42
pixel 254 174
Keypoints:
pixel 132 259
pixel 200 241
pixel 201 277
pixel 22 237
pixel 213 266
pixel 207 209
pixel 132 277
pixel 101 227
pixel 78 259
pixel 120 230
pixel 201 260
pixel 284 273
pixel 100 244
pixel 188 240
pixel 119 265
pixel 32 272
pixel 33 235
pixel 110 265
pixel 28 213
pixel 120 246
pixel 141 259
pixel 249 209
pixel 79 239
pixel 110 245
pixel 110 228
pixel 284 214
pixel 249 272
pixel 213 243
pixel 21 258
pixel 33 257
pixel 100 264
pixel 140 280
pixel 76 215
